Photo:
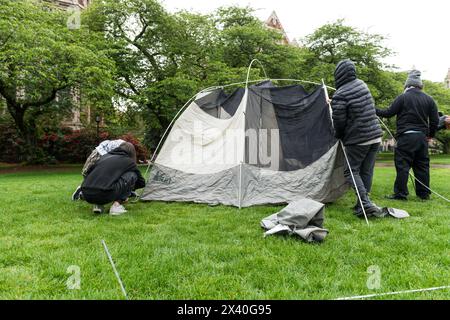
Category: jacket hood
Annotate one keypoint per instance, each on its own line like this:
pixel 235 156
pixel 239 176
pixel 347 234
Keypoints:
pixel 345 72
pixel 120 152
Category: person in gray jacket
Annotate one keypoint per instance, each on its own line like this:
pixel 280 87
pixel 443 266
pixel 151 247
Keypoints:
pixel 357 126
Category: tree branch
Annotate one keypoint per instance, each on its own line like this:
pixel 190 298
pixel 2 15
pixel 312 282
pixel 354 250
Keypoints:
pixel 10 99
pixel 131 85
pixel 144 29
pixel 47 99
pixel 148 55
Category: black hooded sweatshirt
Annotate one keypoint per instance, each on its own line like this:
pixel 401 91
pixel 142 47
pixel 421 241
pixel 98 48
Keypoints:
pixel 354 116
pixel 415 111
pixel 108 170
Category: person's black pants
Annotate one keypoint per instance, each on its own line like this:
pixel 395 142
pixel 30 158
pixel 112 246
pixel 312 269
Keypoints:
pixel 362 163
pixel 412 152
pixel 121 190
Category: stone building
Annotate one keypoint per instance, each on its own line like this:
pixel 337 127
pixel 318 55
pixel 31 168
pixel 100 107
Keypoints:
pixel 273 22
pixel 68 4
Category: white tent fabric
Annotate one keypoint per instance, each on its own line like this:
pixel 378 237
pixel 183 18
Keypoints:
pixel 202 144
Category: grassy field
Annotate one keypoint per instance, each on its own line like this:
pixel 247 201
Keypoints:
pixel 435 159
pixel 189 251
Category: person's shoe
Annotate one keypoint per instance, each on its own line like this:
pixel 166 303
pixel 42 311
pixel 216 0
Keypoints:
pixel 396 197
pixel 77 194
pixel 373 211
pixel 98 209
pixel 425 198
pixel 117 210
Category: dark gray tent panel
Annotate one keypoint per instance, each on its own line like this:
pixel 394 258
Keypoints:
pixel 255 146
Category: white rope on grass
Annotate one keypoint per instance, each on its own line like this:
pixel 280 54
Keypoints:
pixel 115 270
pixel 410 173
pixel 394 293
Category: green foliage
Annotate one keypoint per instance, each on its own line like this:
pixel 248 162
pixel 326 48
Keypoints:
pixel 336 41
pixel 163 59
pixel 41 59
pixel 136 64
pixel 442 96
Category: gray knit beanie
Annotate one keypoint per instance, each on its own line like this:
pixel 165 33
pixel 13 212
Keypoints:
pixel 414 79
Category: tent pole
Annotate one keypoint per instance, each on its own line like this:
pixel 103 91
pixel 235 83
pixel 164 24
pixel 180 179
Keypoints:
pixel 261 80
pixel 354 182
pixel 327 97
pixel 155 153
pixel 250 69
pixel 168 127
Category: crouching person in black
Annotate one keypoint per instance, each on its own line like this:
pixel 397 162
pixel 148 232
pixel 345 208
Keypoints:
pixel 112 180
pixel 417 123
pixel 357 126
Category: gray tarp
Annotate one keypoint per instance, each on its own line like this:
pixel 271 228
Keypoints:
pixel 303 218
pixel 245 185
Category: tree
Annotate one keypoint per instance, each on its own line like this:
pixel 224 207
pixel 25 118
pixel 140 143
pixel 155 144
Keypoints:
pixel 441 94
pixel 336 41
pixel 148 45
pixel 41 58
pixel 244 38
pixel 163 59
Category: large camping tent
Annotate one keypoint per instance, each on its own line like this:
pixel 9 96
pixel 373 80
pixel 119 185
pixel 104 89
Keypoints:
pixel 261 144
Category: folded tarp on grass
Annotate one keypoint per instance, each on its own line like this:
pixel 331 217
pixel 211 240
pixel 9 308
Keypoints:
pixel 303 218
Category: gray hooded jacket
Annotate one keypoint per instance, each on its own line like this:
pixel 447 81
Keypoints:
pixel 354 114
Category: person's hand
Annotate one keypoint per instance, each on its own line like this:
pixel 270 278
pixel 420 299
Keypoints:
pixel 329 101
pixel 430 140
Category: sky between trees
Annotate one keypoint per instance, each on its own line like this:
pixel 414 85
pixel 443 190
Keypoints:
pixel 417 30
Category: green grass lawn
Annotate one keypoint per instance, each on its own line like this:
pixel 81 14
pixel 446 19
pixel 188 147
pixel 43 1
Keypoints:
pixel 435 158
pixel 189 251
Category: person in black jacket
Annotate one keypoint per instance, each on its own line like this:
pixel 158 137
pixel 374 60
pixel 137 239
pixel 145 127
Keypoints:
pixel 357 126
pixel 417 123
pixel 112 179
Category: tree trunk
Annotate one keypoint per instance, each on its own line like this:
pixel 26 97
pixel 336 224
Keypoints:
pixel 27 131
